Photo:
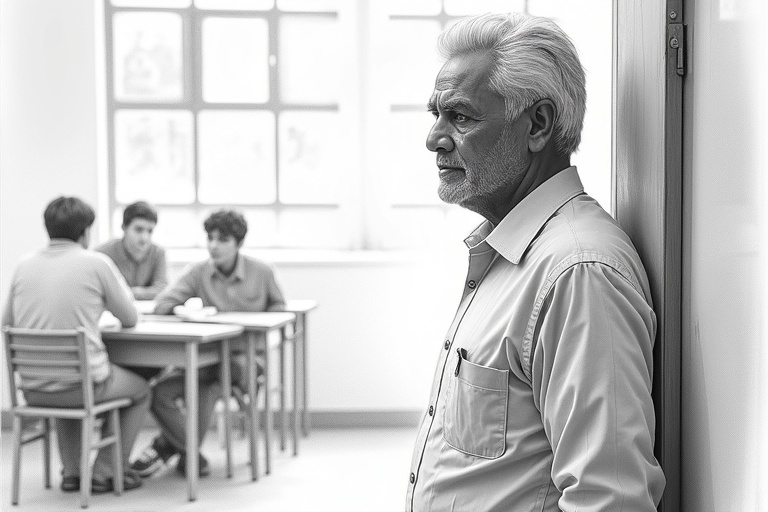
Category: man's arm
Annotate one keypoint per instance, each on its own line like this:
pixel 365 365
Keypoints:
pixel 591 375
pixel 118 298
pixel 8 309
pixel 275 298
pixel 158 281
pixel 177 293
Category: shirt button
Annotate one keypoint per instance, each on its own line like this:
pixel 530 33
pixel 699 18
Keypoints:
pixel 431 410
pixel 472 284
pixel 413 478
pixel 447 344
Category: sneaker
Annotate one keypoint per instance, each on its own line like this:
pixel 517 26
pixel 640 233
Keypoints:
pixel 152 458
pixel 70 483
pixel 131 480
pixel 203 467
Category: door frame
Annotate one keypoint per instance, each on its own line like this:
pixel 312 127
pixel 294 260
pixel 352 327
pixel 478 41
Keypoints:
pixel 647 160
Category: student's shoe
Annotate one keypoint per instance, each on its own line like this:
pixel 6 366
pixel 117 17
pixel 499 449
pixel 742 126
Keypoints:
pixel 152 458
pixel 70 483
pixel 131 480
pixel 203 468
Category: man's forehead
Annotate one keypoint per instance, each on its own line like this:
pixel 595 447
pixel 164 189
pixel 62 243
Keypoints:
pixel 466 72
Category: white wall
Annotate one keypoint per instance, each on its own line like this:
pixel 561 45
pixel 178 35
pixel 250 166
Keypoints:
pixel 47 120
pixel 725 352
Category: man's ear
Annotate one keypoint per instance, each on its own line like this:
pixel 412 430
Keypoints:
pixel 542 115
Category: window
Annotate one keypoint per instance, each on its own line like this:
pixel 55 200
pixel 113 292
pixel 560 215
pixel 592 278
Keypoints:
pixel 306 115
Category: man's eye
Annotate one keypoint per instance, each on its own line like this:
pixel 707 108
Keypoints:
pixel 461 118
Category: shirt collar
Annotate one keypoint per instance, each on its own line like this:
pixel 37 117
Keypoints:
pixel 63 243
pixel 517 230
pixel 238 273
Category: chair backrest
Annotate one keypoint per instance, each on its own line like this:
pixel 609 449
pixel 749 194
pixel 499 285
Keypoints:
pixel 40 356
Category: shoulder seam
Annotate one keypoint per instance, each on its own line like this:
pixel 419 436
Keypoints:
pixel 554 275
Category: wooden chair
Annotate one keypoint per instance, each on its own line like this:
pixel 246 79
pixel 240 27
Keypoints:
pixel 62 356
pixel 224 423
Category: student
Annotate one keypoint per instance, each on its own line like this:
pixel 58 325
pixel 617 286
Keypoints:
pixel 141 262
pixel 64 286
pixel 228 281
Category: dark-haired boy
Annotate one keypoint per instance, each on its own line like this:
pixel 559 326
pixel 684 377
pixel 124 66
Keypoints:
pixel 141 262
pixel 65 286
pixel 228 281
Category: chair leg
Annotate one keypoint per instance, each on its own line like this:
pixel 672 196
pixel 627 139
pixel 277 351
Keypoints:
pixel 86 434
pixel 117 447
pixel 16 459
pixel 47 451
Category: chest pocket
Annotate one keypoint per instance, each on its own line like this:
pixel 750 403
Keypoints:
pixel 475 413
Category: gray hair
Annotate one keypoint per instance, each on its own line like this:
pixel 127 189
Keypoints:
pixel 534 59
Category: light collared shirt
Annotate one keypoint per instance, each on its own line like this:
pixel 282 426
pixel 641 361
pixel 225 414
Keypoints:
pixel 251 287
pixel 541 399
pixel 65 287
pixel 146 277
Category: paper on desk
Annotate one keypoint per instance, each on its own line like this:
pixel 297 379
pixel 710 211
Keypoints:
pixel 194 314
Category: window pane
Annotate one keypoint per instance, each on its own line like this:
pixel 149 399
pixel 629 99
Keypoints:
pixel 411 60
pixel 410 168
pixel 235 60
pixel 242 5
pixel 236 151
pixel 153 156
pixel 262 228
pixel 308 5
pixel 311 158
pixel 313 228
pixel 147 56
pixel 179 227
pixel 178 4
pixel 309 73
pixel 413 6
pixel 464 7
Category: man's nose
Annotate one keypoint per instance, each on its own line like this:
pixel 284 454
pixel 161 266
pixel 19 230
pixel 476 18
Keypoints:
pixel 438 139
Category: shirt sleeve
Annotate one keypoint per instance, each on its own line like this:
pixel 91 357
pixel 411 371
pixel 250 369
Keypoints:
pixel 118 298
pixel 177 293
pixel 275 298
pixel 591 376
pixel 158 281
pixel 8 309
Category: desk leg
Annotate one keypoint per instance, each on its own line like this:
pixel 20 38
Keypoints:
pixel 253 405
pixel 282 388
pixel 295 390
pixel 304 357
pixel 267 405
pixel 226 385
pixel 192 399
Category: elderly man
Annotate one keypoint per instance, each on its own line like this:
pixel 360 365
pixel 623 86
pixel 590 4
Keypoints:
pixel 542 395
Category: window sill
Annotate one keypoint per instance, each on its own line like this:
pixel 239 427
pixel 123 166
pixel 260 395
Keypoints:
pixel 315 257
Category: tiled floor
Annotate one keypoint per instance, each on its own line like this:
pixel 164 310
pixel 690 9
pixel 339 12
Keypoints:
pixel 336 470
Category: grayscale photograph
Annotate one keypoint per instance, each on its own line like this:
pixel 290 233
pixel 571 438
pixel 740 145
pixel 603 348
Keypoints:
pixel 384 255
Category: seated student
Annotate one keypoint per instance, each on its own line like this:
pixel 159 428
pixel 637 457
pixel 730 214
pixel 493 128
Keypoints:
pixel 141 262
pixel 229 281
pixel 65 286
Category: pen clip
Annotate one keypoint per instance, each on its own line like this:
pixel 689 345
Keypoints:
pixel 462 353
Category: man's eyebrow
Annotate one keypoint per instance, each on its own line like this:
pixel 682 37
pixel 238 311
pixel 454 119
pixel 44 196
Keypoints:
pixel 452 104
